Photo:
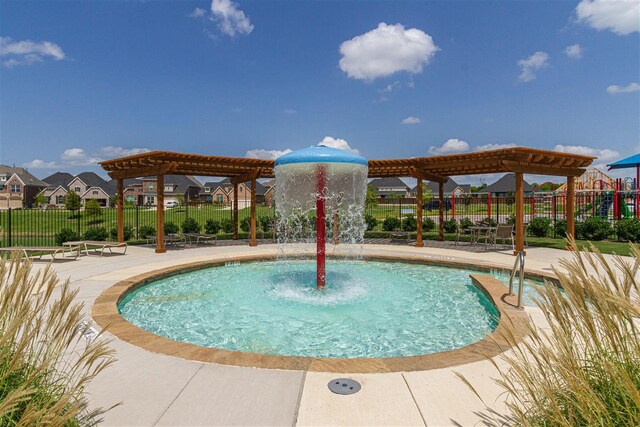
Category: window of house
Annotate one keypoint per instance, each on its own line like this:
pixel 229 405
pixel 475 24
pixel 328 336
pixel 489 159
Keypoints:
pixel 219 198
pixel 15 188
pixel 1 187
pixel 3 178
pixel 240 189
pixel 95 192
pixel 151 200
pixel 129 199
pixel 59 200
pixel 150 186
pixel 76 189
pixel 168 188
pixel 207 189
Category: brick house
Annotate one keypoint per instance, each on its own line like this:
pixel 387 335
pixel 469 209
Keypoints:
pixel 221 192
pixel 144 191
pixel 87 185
pixel 18 188
pixel 390 187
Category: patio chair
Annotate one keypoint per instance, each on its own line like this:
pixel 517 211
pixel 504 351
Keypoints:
pixel 462 232
pixel 502 232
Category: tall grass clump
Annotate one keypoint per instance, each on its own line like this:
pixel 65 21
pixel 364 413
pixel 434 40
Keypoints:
pixel 583 368
pixel 45 362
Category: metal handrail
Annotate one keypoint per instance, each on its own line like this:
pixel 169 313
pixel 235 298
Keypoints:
pixel 518 266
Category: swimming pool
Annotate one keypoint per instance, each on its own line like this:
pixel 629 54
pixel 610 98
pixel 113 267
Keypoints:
pixel 370 309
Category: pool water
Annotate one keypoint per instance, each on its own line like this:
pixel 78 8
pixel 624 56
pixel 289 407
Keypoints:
pixel 368 309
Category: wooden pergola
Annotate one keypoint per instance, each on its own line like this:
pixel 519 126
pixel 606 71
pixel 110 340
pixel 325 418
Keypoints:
pixel 518 160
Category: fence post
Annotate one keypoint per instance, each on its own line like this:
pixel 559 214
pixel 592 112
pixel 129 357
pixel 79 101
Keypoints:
pixel 186 209
pixel 9 243
pixel 453 205
pixel 78 222
pixel 137 222
pixel 400 212
pixel 488 205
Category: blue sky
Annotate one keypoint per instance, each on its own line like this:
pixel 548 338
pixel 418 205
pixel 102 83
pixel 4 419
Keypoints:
pixel 86 81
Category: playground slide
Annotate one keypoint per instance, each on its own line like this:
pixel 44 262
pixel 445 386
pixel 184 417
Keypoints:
pixel 625 211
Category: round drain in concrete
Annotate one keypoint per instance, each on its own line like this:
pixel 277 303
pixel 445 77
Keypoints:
pixel 344 386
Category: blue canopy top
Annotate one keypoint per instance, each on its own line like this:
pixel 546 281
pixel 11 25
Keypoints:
pixel 321 154
pixel 629 162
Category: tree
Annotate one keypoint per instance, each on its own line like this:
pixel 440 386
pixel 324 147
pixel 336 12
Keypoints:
pixel 372 197
pixel 72 201
pixel 426 194
pixel 93 209
pixel 40 200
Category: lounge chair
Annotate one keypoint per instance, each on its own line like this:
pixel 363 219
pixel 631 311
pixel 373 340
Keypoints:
pixel 97 246
pixel 198 238
pixel 40 251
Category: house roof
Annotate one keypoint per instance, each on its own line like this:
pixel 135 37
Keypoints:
pixel 449 187
pixel 58 179
pixel 23 174
pixel 506 184
pixel 393 182
pixel 91 179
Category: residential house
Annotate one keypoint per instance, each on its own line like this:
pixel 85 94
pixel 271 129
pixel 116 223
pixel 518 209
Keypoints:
pixel 87 185
pixel 221 192
pixel 450 187
pixel 177 188
pixel 390 187
pixel 18 188
pixel 506 186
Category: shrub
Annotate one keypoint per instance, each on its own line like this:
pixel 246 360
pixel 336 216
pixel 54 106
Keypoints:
pixel 66 235
pixel 628 229
pixel 212 226
pixel 72 201
pixel 245 224
pixel 582 368
pixel 128 232
pixel 371 222
pixel 93 210
pixel 41 335
pixel 450 226
pixel 171 228
pixel 490 222
pixel 266 222
pixel 511 219
pixel 146 231
pixel 227 225
pixel 595 228
pixel 560 228
pixel 466 223
pixel 96 233
pixel 428 224
pixel 409 223
pixel 539 227
pixel 391 224
pixel 190 225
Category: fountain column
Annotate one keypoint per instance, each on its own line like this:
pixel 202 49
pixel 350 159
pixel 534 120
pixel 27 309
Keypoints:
pixel 321 238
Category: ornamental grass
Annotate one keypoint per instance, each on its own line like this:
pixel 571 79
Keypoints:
pixel 45 362
pixel 583 367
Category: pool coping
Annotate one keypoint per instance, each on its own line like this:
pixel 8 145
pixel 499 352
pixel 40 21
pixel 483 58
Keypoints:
pixel 512 323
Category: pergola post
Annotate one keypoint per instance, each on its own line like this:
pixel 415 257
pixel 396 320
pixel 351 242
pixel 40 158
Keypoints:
pixel 570 206
pixel 441 211
pixel 419 243
pixel 235 211
pixel 120 209
pixel 519 213
pixel 253 241
pixel 160 249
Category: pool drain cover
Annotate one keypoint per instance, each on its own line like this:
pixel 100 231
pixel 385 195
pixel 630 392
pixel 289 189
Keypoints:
pixel 344 386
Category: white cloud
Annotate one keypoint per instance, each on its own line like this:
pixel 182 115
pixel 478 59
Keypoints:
pixel 493 147
pixel 391 87
pixel 603 154
pixel 450 147
pixel 620 16
pixel 25 52
pixel 110 151
pixel 197 13
pixel 231 20
pixel 260 153
pixel 340 144
pixel 631 87
pixel 529 66
pixel 574 51
pixel 40 164
pixel 411 120
pixel 386 50
pixel 72 157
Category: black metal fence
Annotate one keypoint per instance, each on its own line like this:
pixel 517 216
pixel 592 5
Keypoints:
pixel 39 227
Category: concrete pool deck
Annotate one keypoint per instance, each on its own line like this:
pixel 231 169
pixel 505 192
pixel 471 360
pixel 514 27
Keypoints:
pixel 158 389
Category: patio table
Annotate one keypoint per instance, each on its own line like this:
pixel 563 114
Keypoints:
pixel 479 231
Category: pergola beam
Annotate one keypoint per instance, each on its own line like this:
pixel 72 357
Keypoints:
pixel 519 167
pixel 138 172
